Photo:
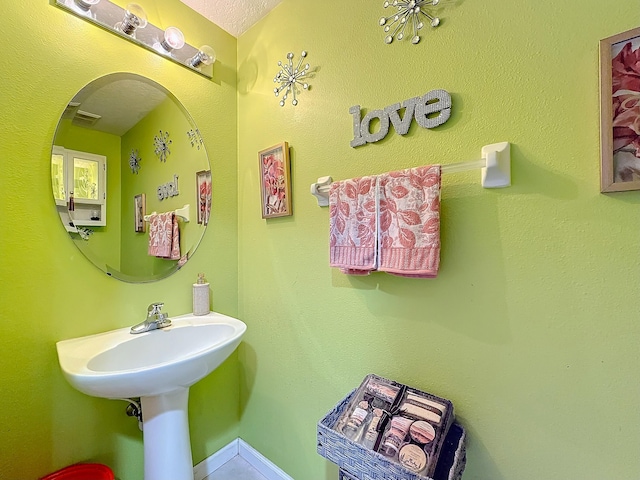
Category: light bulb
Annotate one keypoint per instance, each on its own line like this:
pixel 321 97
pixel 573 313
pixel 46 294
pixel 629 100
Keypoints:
pixel 173 39
pixel 206 55
pixel 134 18
pixel 85 5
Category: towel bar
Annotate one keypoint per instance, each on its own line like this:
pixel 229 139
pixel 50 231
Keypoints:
pixel 182 213
pixel 495 166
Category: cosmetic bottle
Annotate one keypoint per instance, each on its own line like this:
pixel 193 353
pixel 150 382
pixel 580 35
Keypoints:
pixel 72 205
pixel 395 436
pixel 371 434
pixel 201 296
pixel 357 421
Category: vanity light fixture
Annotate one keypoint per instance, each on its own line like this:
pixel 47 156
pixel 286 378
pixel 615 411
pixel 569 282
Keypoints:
pixel 85 5
pixel 132 24
pixel 134 18
pixel 173 39
pixel 205 56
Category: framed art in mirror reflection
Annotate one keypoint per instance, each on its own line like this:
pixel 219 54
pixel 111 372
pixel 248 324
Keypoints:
pixel 139 205
pixel 203 191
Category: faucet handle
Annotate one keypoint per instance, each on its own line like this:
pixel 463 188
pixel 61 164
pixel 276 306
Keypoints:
pixel 154 309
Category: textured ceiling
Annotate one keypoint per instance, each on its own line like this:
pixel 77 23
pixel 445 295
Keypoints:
pixel 234 16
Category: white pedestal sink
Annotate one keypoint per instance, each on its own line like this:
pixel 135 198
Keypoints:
pixel 159 367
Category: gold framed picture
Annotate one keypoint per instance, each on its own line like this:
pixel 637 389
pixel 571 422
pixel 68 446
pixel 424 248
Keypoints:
pixel 620 112
pixel 275 181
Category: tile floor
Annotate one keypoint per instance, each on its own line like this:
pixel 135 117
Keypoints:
pixel 236 469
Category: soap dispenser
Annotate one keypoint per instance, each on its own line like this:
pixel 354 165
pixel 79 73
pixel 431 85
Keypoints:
pixel 201 296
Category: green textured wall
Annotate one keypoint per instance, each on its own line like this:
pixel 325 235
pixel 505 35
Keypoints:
pixel 531 327
pixel 49 290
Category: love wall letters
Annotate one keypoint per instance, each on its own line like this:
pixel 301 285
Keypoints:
pixel 169 189
pixel 422 108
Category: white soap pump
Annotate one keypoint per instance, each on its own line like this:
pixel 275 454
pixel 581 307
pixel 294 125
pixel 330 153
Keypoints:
pixel 201 296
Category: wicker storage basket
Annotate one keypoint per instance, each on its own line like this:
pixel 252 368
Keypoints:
pixel 359 463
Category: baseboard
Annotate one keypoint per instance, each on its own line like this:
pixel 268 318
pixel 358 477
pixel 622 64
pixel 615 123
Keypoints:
pixel 239 447
pixel 215 461
pixel 261 463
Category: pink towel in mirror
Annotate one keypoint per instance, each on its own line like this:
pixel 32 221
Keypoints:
pixel 164 236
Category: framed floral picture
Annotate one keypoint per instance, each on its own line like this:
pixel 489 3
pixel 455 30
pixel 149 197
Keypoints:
pixel 620 112
pixel 203 191
pixel 275 181
pixel 139 207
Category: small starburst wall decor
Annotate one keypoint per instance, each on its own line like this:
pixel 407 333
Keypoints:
pixel 134 161
pixel 195 138
pixel 408 12
pixel 161 145
pixel 290 78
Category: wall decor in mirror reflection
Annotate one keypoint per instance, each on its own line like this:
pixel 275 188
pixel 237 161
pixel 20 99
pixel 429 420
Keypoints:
pixel 169 189
pixel 131 24
pixel 195 138
pixel 620 112
pixel 134 160
pixel 139 205
pixel 203 192
pixel 275 181
pixel 97 197
pixel 161 144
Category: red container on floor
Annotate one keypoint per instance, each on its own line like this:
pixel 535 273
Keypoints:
pixel 82 471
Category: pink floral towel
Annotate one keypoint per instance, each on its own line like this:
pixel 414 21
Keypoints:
pixel 353 225
pixel 164 236
pixel 409 238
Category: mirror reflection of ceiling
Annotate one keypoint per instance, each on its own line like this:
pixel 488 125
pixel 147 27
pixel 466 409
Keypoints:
pixel 233 16
pixel 115 117
pixel 107 106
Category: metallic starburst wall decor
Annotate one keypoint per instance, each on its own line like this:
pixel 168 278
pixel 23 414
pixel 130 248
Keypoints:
pixel 161 145
pixel 195 138
pixel 408 12
pixel 134 161
pixel 290 77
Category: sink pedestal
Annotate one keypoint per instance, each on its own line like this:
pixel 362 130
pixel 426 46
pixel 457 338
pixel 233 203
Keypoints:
pixel 167 448
pixel 158 367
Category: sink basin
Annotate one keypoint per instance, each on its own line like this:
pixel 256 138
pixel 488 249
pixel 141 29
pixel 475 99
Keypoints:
pixel 158 366
pixel 117 364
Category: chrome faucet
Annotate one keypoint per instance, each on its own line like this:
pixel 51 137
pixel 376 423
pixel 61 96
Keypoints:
pixel 155 319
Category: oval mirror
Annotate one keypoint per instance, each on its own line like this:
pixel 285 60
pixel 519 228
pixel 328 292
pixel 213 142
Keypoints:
pixel 131 178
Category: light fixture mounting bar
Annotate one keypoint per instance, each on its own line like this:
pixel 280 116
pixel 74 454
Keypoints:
pixel 106 15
